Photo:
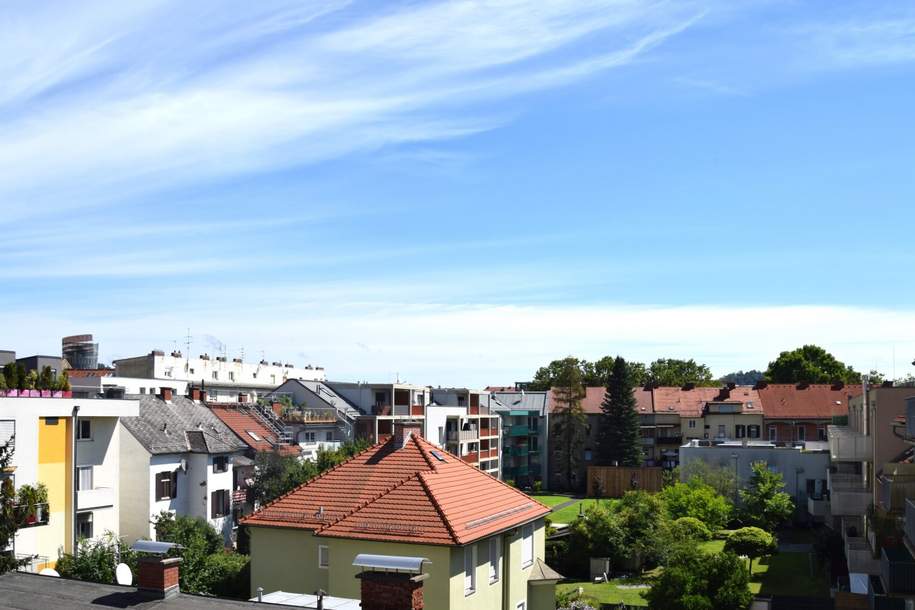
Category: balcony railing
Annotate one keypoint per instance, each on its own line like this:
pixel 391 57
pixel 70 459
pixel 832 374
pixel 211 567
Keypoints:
pixel 860 558
pixel 847 445
pixel 33 518
pixel 463 435
pixel 817 507
pixel 894 490
pixel 94 498
pixel 897 570
pixel 471 458
pixel 849 502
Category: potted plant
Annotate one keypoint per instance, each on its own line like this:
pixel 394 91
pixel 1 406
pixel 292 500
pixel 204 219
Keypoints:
pixel 32 500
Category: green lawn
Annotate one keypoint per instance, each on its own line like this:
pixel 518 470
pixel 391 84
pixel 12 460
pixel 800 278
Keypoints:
pixel 551 500
pixel 569 513
pixel 607 592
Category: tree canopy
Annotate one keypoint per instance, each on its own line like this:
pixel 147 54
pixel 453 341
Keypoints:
pixel 751 377
pixel 692 580
pixel 697 500
pixel 9 516
pixel 619 441
pixel 810 364
pixel 675 372
pixel 569 422
pixel 751 542
pixel 764 504
pixel 663 371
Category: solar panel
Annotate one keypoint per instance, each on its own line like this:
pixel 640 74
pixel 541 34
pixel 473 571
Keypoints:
pixel 438 455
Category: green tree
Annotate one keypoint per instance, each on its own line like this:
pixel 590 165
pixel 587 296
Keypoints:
pixel 276 474
pixel 751 377
pixel 764 503
pixel 692 580
pixel 638 373
pixel 30 381
pixel 9 514
pixel 722 480
pixel 46 379
pixel 199 540
pixel 3 385
pixel 678 373
pixel 11 376
pixel 810 364
pixel 619 440
pixel 698 500
pixel 751 542
pixel 97 560
pixel 556 372
pixel 640 515
pixel 597 533
pixel 569 422
pixel 228 575
pixel 689 529
pixel 875 377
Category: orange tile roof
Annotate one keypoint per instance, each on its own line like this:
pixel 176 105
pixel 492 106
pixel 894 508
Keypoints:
pixel 242 422
pixel 594 396
pixel 815 401
pixel 687 403
pixel 402 494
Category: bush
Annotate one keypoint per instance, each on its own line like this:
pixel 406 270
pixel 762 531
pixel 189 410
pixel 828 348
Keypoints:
pixel 537 487
pixel 227 575
pixel 695 581
pixel 698 500
pixel 96 561
pixel 690 528
pixel 571 600
pixel 752 542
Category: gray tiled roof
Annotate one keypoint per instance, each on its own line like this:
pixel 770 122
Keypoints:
pixel 522 401
pixel 161 427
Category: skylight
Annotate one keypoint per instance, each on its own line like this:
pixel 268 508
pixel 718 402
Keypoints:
pixel 438 455
pixel 253 435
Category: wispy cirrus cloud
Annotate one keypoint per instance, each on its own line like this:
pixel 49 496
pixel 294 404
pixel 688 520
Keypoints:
pixel 104 103
pixel 860 41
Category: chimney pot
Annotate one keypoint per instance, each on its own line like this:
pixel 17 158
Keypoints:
pixel 165 394
pixel 158 577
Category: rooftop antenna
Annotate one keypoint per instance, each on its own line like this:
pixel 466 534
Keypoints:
pixel 187 353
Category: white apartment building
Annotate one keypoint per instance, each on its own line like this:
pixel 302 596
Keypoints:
pixel 382 404
pixel 43 430
pixel 465 423
pixel 224 379
pixel 176 456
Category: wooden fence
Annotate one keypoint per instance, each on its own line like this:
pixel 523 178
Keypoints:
pixel 613 481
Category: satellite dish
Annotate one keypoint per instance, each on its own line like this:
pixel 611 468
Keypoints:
pixel 123 575
pixel 49 572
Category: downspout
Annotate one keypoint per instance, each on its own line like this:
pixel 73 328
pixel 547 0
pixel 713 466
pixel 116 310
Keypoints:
pixel 506 572
pixel 74 474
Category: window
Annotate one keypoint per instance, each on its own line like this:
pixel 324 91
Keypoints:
pixel 587 455
pixel 323 556
pixel 221 463
pixel 309 437
pixel 692 423
pixel 84 478
pixel 470 564
pixel 462 401
pixel 231 376
pixel 821 433
pixel 527 545
pixel 801 433
pixel 84 430
pixel 379 398
pixel 533 443
pixel 219 503
pixel 166 485
pixel 142 390
pixel 753 431
pixel 772 434
pixel 495 558
pixel 272 378
pixel 192 371
pixel 740 431
pixel 215 374
pixel 84 525
pixel 721 430
pixel 328 436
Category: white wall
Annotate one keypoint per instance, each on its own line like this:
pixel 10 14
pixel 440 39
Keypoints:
pixel 435 419
pixel 133 493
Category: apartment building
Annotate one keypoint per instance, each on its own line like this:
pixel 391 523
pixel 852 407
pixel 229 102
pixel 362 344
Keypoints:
pixel 464 423
pixel 72 448
pixel 524 440
pixel 482 542
pixel 223 378
pixel 321 414
pixel 864 464
pixel 383 404
pixel 176 456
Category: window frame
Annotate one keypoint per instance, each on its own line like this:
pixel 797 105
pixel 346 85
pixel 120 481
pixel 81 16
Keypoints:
pixel 79 476
pixel 323 557
pixel 527 545
pixel 82 519
pixel 79 429
pixel 220 459
pixel 225 504
pixel 172 477
pixel 495 560
pixel 470 571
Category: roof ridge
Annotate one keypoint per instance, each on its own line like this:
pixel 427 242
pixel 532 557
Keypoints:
pixel 371 500
pixel 312 479
pixel 438 507
pixel 423 452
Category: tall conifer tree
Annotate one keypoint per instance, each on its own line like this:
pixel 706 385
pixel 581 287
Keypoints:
pixel 619 439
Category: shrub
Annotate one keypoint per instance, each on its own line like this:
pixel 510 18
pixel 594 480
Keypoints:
pixel 96 560
pixel 690 528
pixel 752 542
pixel 698 500
pixel 227 575
pixel 695 581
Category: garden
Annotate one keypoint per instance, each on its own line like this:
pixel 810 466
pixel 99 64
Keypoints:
pixel 691 541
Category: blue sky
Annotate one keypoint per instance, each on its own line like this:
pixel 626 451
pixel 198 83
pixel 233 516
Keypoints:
pixel 458 192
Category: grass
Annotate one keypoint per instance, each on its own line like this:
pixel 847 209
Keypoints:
pixel 551 500
pixel 570 513
pixel 607 592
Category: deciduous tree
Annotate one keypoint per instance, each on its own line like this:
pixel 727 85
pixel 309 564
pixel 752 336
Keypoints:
pixel 764 503
pixel 810 364
pixel 678 373
pixel 751 542
pixel 692 580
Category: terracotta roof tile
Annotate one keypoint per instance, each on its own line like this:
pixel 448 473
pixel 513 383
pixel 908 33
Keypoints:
pixel 815 401
pixel 242 423
pixel 402 494
pixel 687 403
pixel 594 396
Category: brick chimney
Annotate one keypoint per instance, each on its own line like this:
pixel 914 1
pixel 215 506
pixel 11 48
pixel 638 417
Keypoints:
pixel 242 397
pixel 391 591
pixel 195 394
pixel 403 430
pixel 158 576
pixel 165 394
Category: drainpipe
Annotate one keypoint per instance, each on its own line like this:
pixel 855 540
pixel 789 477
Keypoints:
pixel 75 474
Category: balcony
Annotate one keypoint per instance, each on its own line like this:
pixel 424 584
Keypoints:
pixel 455 436
pixel 100 497
pixel 669 439
pixel 897 570
pixel 894 490
pixel 471 458
pixel 33 518
pixel 860 558
pixel 847 445
pixel 817 507
pixel 849 502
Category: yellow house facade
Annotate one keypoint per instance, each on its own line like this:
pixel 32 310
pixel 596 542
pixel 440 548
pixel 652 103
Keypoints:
pixel 484 541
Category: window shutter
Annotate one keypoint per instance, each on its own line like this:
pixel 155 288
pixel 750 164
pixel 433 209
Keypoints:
pixel 158 486
pixel 174 484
